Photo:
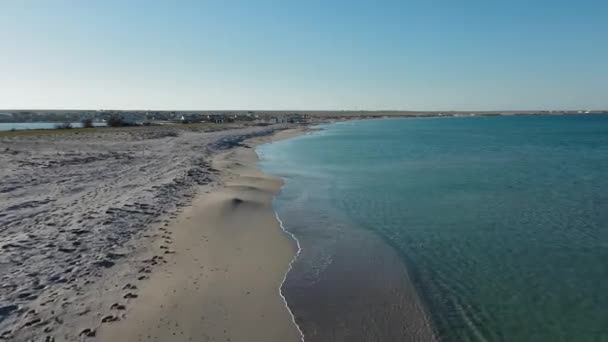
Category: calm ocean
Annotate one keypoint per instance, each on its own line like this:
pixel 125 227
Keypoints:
pixel 500 224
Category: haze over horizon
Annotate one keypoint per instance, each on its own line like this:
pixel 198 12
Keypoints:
pixel 347 55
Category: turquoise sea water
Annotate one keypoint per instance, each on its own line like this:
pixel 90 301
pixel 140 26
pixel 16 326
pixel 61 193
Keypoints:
pixel 501 222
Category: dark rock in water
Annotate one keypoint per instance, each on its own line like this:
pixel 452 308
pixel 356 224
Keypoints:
pixel 237 201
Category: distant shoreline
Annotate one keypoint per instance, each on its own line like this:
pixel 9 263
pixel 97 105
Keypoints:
pixel 59 116
pixel 311 117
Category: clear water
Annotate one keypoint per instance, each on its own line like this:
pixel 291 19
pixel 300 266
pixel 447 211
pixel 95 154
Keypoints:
pixel 7 126
pixel 502 222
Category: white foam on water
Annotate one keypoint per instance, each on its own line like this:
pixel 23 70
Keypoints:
pixel 293 318
pixel 295 257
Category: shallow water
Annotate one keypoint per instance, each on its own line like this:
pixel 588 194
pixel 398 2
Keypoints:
pixel 499 222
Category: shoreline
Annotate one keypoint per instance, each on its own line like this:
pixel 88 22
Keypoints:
pixel 289 268
pixel 286 135
pixel 242 197
pixel 159 281
pixel 359 262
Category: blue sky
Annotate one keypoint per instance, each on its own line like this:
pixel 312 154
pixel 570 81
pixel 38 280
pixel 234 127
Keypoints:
pixel 408 55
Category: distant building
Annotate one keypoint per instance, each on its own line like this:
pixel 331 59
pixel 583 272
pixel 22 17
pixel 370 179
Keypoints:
pixel 217 118
pixel 189 118
pixel 295 118
pixel 129 118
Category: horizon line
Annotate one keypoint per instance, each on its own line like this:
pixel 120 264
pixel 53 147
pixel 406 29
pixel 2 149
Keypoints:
pixel 313 110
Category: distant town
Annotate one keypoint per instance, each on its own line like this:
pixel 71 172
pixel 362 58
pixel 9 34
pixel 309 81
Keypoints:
pixel 141 117
pixel 144 117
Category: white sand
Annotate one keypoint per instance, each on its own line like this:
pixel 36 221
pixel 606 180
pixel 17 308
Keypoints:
pixel 85 220
pixel 223 282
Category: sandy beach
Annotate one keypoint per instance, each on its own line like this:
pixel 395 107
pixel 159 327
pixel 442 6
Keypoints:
pixel 153 233
pixel 222 283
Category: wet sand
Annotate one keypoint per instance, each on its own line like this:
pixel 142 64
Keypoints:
pixel 353 287
pixel 347 283
pixel 230 257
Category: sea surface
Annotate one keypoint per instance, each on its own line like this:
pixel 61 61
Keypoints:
pixel 472 228
pixel 7 126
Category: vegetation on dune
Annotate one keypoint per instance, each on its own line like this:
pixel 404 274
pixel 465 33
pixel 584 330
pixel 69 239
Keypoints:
pixel 115 121
pixel 64 125
pixel 87 123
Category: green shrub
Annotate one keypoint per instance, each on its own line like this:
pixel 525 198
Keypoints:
pixel 64 125
pixel 87 123
pixel 115 121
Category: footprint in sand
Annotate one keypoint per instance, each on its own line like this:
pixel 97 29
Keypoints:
pixel 109 318
pixel 117 306
pixel 129 287
pixel 88 332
